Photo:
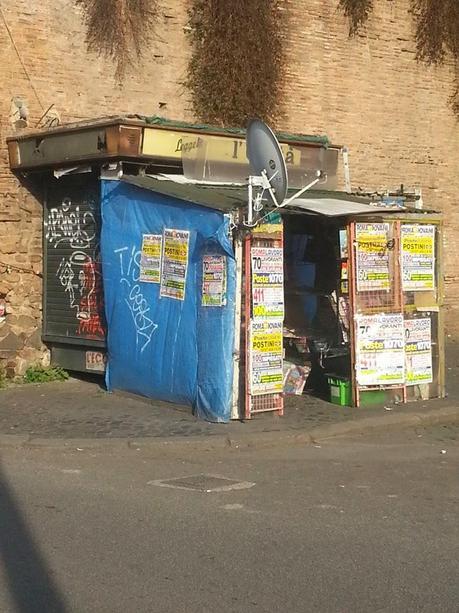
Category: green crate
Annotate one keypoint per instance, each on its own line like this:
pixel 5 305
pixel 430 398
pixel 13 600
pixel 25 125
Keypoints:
pixel 340 391
pixel 369 398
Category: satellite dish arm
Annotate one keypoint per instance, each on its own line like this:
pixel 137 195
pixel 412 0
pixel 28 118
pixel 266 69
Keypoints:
pixel 320 176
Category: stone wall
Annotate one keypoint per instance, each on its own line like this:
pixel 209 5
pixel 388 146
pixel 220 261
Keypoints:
pixel 367 93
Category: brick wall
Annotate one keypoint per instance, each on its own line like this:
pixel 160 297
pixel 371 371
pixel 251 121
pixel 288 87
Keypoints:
pixel 48 64
pixel 368 93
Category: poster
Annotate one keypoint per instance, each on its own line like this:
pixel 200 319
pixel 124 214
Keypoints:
pixel 213 280
pixel 174 263
pixel 267 282
pixel 418 257
pixel 343 247
pixel 372 255
pixel 150 258
pixel 380 349
pixel 266 375
pixel 418 348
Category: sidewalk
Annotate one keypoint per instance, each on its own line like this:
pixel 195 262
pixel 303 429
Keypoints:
pixel 81 413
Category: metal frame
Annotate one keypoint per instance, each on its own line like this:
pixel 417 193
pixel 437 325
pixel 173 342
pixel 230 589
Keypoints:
pixel 264 402
pixel 398 295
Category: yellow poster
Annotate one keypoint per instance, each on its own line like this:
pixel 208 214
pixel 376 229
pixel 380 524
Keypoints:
pixel 266 375
pixel 174 263
pixel 372 255
pixel 150 260
pixel 418 257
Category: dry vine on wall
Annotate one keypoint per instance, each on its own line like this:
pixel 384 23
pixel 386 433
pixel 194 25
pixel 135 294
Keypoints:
pixel 437 31
pixel 119 29
pixel 236 66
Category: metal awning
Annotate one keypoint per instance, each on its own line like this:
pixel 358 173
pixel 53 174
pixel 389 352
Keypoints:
pixel 227 197
pixel 336 207
pixel 222 197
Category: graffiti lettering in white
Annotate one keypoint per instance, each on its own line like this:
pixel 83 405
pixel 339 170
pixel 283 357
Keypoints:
pixel 138 306
pixel 72 276
pixel 68 223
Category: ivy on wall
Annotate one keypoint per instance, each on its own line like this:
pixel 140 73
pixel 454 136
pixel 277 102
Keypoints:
pixel 436 34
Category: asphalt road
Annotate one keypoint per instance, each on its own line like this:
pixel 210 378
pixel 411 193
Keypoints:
pixel 362 525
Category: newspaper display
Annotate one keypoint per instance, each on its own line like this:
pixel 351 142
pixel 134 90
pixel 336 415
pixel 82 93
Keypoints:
pixel 150 258
pixel 372 256
pixel 418 257
pixel 418 349
pixel 267 282
pixel 380 349
pixel 213 281
pixel 266 374
pixel 174 263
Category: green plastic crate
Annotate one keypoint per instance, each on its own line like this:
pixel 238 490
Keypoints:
pixel 340 391
pixel 369 398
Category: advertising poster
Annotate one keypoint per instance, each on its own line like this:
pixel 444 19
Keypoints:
pixel 150 259
pixel 266 374
pixel 174 263
pixel 343 247
pixel 418 348
pixel 267 283
pixel 418 257
pixel 380 349
pixel 213 280
pixel 372 255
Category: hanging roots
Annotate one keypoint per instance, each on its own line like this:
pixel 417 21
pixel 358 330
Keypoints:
pixel 120 30
pixel 235 70
pixel 357 11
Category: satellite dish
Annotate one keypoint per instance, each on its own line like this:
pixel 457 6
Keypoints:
pixel 270 171
pixel 266 159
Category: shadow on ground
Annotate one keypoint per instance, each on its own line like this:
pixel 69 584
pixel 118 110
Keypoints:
pixel 30 582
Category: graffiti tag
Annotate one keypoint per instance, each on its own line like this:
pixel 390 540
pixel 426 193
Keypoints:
pixel 80 277
pixel 138 306
pixel 68 223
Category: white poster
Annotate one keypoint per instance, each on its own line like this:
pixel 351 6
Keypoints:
pixel 266 375
pixel 213 280
pixel 372 256
pixel 267 282
pixel 418 257
pixel 418 348
pixel 174 263
pixel 380 349
pixel 150 259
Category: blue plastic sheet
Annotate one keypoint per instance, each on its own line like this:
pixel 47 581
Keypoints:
pixel 161 347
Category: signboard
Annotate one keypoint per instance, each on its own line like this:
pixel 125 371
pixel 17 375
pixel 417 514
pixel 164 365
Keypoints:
pixel 266 376
pixel 213 280
pixel 418 348
pixel 380 349
pixel 418 257
pixel 171 144
pixel 372 257
pixel 150 258
pixel 267 282
pixel 174 263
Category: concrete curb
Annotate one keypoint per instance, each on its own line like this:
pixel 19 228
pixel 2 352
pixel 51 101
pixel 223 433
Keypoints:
pixel 253 440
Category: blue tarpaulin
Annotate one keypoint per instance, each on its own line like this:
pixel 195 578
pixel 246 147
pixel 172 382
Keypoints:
pixel 159 346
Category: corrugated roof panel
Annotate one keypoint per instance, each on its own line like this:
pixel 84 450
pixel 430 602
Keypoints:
pixel 334 207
